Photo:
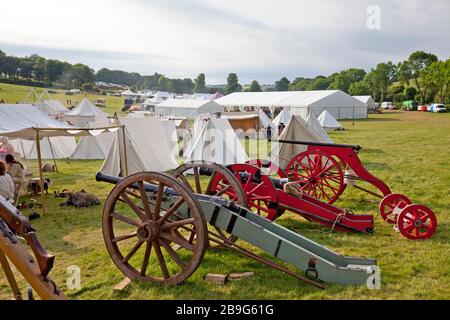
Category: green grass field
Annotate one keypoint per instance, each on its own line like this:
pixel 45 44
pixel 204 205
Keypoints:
pixel 409 151
pixel 13 93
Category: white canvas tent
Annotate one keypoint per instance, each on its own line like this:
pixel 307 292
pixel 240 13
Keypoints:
pixel 328 122
pixel 314 124
pixel 216 142
pixel 296 130
pixel 143 148
pixel 94 147
pixel 129 93
pixel 84 113
pixel 340 104
pixel 52 107
pixel 187 108
pixel 25 121
pixel 55 148
pixel 283 117
pixel 264 120
pixel 170 131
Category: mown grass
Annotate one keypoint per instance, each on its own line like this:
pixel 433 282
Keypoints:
pixel 409 151
pixel 11 93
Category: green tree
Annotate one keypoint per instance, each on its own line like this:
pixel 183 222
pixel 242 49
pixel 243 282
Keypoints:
pixel 344 79
pixel 254 87
pixel 82 74
pixel 164 84
pixel 410 93
pixel 379 79
pixel 411 70
pixel 54 69
pixel 232 84
pixel 200 84
pixel 282 84
pixel 360 88
pixel 438 74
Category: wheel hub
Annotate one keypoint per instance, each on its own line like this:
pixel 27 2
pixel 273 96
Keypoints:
pixel 148 232
pixel 418 224
pixel 312 180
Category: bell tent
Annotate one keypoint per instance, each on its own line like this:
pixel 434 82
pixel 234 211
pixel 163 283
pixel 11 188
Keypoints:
pixel 328 122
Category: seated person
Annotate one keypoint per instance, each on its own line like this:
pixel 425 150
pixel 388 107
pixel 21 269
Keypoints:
pixel 6 184
pixel 5 147
pixel 16 170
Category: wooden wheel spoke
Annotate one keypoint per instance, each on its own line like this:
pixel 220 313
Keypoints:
pixel 256 188
pixel 178 223
pixel 132 252
pixel 144 198
pixel 148 249
pixel 198 185
pixel 159 195
pixel 186 182
pixel 125 219
pixel 124 237
pixel 171 210
pixel 173 254
pixel 224 190
pixel 179 240
pixel 134 207
pixel 249 181
pixel 162 262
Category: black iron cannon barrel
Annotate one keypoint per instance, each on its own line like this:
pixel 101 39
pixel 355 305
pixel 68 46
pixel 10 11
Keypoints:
pixel 308 143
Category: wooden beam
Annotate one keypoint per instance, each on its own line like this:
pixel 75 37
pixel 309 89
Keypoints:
pixel 41 176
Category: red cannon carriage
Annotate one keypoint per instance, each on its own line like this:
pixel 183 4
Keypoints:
pixel 322 173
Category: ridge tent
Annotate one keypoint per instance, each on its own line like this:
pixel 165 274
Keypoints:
pixel 129 93
pixel 216 142
pixel 296 130
pixel 283 117
pixel 84 113
pixel 52 107
pixel 199 123
pixel 264 120
pixel 187 108
pixel 328 122
pixel 55 148
pixel 242 120
pixel 170 131
pixel 144 147
pixel 25 121
pixel 314 124
pixel 94 147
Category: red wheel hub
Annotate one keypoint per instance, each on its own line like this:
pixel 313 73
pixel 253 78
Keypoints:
pixel 391 206
pixel 417 222
pixel 319 175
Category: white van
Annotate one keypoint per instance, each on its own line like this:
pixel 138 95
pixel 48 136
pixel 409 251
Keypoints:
pixel 387 105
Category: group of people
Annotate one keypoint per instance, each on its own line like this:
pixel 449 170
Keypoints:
pixel 12 175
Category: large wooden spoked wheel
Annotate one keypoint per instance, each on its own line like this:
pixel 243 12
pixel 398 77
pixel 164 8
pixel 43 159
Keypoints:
pixel 261 195
pixel 319 175
pixel 212 179
pixel 149 240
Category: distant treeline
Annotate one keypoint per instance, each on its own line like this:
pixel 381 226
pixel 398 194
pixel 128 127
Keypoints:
pixel 421 77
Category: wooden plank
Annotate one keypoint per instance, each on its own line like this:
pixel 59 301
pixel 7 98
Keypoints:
pixel 28 267
pixel 241 275
pixel 122 285
pixel 216 278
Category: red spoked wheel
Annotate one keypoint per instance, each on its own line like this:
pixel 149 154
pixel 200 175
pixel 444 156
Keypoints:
pixel 417 222
pixel 269 168
pixel 319 175
pixel 260 192
pixel 391 206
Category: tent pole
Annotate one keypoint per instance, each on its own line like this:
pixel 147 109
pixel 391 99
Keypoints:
pixel 38 149
pixel 53 154
pixel 125 151
pixel 23 151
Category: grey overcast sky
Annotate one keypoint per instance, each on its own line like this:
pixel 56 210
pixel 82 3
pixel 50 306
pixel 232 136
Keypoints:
pixel 257 39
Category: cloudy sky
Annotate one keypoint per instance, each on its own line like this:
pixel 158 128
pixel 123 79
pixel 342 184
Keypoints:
pixel 257 39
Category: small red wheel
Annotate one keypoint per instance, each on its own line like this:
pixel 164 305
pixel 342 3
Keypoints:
pixel 417 222
pixel 269 168
pixel 319 174
pixel 260 192
pixel 391 206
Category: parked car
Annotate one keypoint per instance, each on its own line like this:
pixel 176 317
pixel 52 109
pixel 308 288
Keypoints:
pixel 410 105
pixel 387 105
pixel 437 107
pixel 422 108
